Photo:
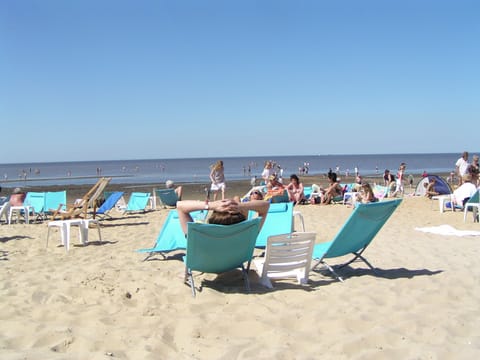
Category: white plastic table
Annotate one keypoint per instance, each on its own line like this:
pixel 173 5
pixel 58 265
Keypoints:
pixel 64 227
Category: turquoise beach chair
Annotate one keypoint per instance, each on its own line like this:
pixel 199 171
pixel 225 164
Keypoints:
pixel 356 234
pixel 168 197
pixel 138 202
pixel 54 200
pixel 36 200
pixel 220 248
pixel 279 221
pixel 307 191
pixel 171 236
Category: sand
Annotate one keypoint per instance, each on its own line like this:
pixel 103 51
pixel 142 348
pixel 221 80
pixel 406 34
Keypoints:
pixel 102 301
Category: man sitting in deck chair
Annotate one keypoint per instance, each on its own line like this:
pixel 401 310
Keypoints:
pixel 169 184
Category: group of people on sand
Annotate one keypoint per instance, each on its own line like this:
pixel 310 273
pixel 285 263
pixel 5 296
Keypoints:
pixel 468 181
pixel 395 185
pixel 230 211
pixel 464 167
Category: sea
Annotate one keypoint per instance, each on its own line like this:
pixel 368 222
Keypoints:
pixel 196 170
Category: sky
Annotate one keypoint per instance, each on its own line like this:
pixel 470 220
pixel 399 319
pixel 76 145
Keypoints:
pixel 112 79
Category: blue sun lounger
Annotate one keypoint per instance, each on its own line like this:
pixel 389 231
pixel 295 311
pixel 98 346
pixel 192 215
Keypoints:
pixel 109 204
pixel 279 221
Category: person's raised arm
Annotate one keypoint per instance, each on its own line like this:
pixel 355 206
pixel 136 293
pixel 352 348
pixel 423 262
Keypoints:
pixel 260 206
pixel 184 208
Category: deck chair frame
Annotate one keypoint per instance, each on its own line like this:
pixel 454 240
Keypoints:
pixel 89 200
pixel 355 235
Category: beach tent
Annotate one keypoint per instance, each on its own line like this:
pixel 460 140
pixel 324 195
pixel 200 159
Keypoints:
pixel 441 186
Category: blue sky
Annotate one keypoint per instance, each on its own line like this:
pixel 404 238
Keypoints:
pixel 86 80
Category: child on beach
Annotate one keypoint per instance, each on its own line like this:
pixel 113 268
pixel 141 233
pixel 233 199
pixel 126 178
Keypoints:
pixel 366 195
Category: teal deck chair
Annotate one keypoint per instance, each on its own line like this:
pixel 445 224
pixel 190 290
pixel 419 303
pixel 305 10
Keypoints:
pixel 108 204
pixel 168 197
pixel 356 234
pixel 138 202
pixel 37 201
pixel 279 221
pixel 217 249
pixel 53 201
pixel 171 236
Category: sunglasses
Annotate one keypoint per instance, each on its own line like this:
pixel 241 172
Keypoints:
pixel 255 193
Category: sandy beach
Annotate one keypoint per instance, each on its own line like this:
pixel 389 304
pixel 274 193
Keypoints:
pixel 102 301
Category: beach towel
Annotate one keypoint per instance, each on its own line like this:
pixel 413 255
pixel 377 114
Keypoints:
pixel 448 230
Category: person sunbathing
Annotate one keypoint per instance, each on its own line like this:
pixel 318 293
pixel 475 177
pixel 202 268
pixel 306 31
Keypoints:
pixel 295 190
pixel 333 190
pixel 253 194
pixel 224 212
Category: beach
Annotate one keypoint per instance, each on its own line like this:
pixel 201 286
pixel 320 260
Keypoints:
pixel 101 300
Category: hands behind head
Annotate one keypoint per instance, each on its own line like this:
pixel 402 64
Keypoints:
pixel 226 206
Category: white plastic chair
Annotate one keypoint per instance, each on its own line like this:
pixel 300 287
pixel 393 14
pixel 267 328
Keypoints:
pixel 286 256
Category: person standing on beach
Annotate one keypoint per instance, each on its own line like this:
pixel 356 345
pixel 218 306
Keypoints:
pixel 400 178
pixel 474 170
pixel 267 171
pixel 410 180
pixel 217 177
pixel 389 180
pixel 461 166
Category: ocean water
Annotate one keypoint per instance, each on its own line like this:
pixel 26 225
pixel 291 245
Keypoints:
pixel 196 170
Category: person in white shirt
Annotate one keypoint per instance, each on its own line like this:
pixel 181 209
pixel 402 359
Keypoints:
pixel 464 191
pixel 461 166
